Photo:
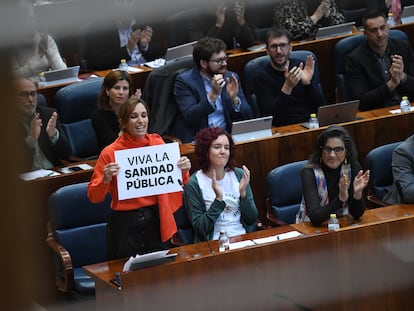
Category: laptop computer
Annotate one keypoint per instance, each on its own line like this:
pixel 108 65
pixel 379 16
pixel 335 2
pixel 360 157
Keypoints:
pixel 60 76
pixel 334 30
pixel 407 15
pixel 177 52
pixel 252 129
pixel 336 113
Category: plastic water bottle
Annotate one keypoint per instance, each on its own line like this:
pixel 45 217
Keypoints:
pixel 313 121
pixel 123 65
pixel 405 105
pixel 41 79
pixel 224 241
pixel 333 223
pixel 390 19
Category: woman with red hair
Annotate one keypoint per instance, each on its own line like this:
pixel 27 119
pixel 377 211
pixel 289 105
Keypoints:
pixel 219 194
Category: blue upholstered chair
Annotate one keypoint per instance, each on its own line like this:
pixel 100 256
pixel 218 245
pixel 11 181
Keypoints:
pixel 75 104
pixel 41 100
pixel 284 186
pixel 252 65
pixel 378 161
pixel 345 46
pixel 185 233
pixel 76 235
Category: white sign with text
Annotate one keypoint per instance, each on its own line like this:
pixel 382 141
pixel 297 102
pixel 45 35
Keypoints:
pixel 148 171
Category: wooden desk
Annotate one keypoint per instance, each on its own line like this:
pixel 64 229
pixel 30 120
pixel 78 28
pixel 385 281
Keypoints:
pixel 360 267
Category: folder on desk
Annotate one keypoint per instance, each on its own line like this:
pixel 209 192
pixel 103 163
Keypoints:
pixel 59 76
pixel 180 51
pixel 148 260
pixel 335 30
pixel 407 15
pixel 252 129
pixel 336 113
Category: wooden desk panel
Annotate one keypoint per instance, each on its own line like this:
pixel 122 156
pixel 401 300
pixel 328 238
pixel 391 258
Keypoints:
pixel 356 268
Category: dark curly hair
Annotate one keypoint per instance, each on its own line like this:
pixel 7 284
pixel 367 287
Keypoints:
pixel 334 131
pixel 204 138
pixel 205 47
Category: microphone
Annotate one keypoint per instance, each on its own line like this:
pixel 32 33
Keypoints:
pixel 207 240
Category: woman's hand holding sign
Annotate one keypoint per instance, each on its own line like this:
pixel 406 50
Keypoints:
pixel 184 164
pixel 110 170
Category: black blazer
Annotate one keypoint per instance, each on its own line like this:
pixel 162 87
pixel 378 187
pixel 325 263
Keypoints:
pixel 103 49
pixel 53 152
pixel 365 79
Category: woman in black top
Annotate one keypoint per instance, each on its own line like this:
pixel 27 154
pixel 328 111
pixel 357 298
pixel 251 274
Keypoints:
pixel 332 180
pixel 116 89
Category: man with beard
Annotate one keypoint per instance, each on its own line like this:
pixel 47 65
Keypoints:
pixel 208 95
pixel 381 70
pixel 284 87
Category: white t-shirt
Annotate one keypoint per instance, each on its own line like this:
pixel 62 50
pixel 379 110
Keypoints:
pixel 229 218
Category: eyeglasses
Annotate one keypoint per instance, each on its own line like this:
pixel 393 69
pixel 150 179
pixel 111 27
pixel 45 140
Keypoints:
pixel 282 46
pixel 220 60
pixel 328 150
pixel 25 94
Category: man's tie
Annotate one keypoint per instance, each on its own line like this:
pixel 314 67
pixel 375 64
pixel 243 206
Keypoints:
pixel 396 9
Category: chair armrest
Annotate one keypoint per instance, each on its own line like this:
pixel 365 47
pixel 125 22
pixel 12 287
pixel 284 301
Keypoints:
pixel 175 241
pixel 64 284
pixel 374 202
pixel 270 216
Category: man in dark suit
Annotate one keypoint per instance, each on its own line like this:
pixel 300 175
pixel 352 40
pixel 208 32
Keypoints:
pixel 381 70
pixel 208 94
pixel 124 40
pixel 45 142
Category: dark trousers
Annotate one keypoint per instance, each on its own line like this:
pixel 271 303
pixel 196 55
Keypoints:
pixel 134 232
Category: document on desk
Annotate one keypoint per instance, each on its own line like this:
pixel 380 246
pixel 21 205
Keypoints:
pixel 395 111
pixel 241 244
pixel 38 174
pixel 278 237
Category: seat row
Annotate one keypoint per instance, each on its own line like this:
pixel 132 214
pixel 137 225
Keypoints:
pixel 77 227
pixel 76 102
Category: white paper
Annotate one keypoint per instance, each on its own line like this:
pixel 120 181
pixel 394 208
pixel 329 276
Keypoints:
pixel 395 111
pixel 156 63
pixel 148 171
pixel 142 258
pixel 38 174
pixel 241 244
pixel 278 237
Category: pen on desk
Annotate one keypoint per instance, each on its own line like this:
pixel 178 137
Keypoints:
pixel 50 174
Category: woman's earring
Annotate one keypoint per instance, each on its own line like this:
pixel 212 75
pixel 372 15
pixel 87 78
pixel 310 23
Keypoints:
pixel 346 161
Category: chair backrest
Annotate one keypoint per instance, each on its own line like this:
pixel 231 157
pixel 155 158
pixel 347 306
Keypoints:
pixel 252 65
pixel 75 104
pixel 186 26
pixel 41 100
pixel 345 46
pixel 378 161
pixel 159 94
pixel 79 225
pixel 284 186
